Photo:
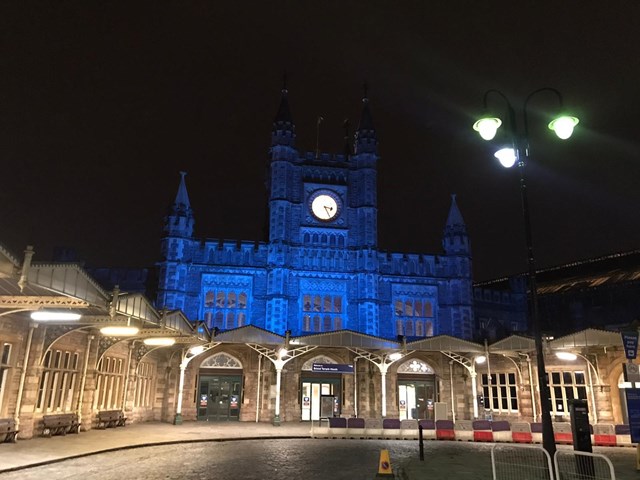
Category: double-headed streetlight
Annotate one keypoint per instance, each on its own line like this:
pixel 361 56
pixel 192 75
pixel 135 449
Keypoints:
pixel 517 151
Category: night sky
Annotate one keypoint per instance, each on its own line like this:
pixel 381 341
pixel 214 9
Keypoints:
pixel 103 103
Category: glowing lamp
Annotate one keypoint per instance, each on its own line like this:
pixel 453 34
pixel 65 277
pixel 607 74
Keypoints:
pixel 283 352
pixel 120 331
pixel 159 341
pixel 506 157
pixel 47 316
pixel 563 126
pixel 196 350
pixel 487 127
pixel 481 359
pixel 395 356
pixel 566 356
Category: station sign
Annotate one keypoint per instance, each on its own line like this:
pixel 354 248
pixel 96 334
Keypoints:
pixel 332 368
pixel 630 343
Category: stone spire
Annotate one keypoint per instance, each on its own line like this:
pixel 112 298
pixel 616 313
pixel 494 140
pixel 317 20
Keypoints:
pixel 180 219
pixel 455 239
pixel 284 130
pixel 366 140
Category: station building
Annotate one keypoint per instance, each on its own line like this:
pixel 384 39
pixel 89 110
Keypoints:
pixel 314 323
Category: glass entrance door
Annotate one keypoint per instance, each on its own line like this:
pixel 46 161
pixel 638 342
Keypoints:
pixel 416 399
pixel 219 398
pixel 320 398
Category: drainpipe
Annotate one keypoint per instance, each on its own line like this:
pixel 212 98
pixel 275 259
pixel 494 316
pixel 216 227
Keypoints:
pixel 474 392
pixel 278 364
pixel 177 420
pixel 258 395
pixel 383 374
pixel 23 374
pixel 453 399
pixel 355 386
pixel 84 378
pixel 594 412
pixel 533 391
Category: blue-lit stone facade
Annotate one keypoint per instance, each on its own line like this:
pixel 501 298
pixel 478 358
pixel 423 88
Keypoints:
pixel 320 269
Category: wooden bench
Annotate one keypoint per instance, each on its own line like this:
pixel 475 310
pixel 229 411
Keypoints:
pixel 60 424
pixel 8 429
pixel 111 418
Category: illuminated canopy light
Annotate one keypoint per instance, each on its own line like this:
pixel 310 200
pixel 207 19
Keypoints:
pixel 487 127
pixel 563 126
pixel 506 157
pixel 481 359
pixel 121 331
pixel 395 356
pixel 566 356
pixel 283 352
pixel 43 316
pixel 196 350
pixel 160 341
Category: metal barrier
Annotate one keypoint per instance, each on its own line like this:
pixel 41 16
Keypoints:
pixel 571 464
pixel 512 461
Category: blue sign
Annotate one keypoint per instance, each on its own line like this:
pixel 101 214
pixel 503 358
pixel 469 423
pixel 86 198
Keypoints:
pixel 633 407
pixel 630 343
pixel 332 368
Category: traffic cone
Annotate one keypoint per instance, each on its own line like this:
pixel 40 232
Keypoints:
pixel 384 466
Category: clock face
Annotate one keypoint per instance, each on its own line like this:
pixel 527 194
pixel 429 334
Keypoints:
pixel 324 206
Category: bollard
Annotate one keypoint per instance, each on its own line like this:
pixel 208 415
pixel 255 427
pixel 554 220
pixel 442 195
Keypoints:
pixel 421 443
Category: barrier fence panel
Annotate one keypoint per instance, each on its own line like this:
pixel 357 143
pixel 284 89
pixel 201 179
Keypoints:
pixel 573 465
pixel 513 461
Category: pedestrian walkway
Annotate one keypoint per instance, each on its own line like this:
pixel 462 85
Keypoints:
pixel 459 460
pixel 39 450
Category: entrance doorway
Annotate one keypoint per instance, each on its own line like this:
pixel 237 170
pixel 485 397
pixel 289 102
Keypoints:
pixel 219 397
pixel 417 398
pixel 320 398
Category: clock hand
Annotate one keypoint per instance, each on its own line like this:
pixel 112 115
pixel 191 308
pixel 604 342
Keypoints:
pixel 328 209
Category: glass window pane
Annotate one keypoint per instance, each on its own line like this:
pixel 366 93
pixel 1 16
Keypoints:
pixel 337 304
pixel 327 304
pixel 484 380
pixel 512 379
pixel 408 325
pixel 418 310
pixel 582 393
pixel 555 378
pixel 408 308
pixel 232 300
pixel 493 378
pixel 428 310
pixel 208 299
pixel 398 308
pixel 505 403
pixel 567 378
pixel 327 323
pixel 569 393
pixel 502 378
pixel 557 391
pixel 220 299
pixel 512 392
pixel 514 404
pixel 579 378
pixel 503 391
pixel 242 300
pixel 337 323
pixel 316 303
pixel 306 303
pixel 6 350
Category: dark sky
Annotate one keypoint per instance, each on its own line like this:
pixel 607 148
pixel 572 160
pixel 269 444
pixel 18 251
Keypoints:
pixel 102 103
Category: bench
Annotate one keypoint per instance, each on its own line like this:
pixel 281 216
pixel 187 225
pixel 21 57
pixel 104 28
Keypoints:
pixel 111 418
pixel 60 424
pixel 8 429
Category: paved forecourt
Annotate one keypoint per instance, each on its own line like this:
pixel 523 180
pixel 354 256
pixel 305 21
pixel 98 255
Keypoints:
pixel 443 459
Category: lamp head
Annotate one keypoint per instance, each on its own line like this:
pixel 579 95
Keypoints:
pixel 563 125
pixel 566 356
pixel 480 359
pixel 506 156
pixel 487 126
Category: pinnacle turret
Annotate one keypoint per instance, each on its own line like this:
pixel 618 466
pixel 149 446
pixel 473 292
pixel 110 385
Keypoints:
pixel 284 130
pixel 366 140
pixel 455 240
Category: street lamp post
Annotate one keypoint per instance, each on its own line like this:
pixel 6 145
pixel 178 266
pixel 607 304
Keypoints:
pixel 518 152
